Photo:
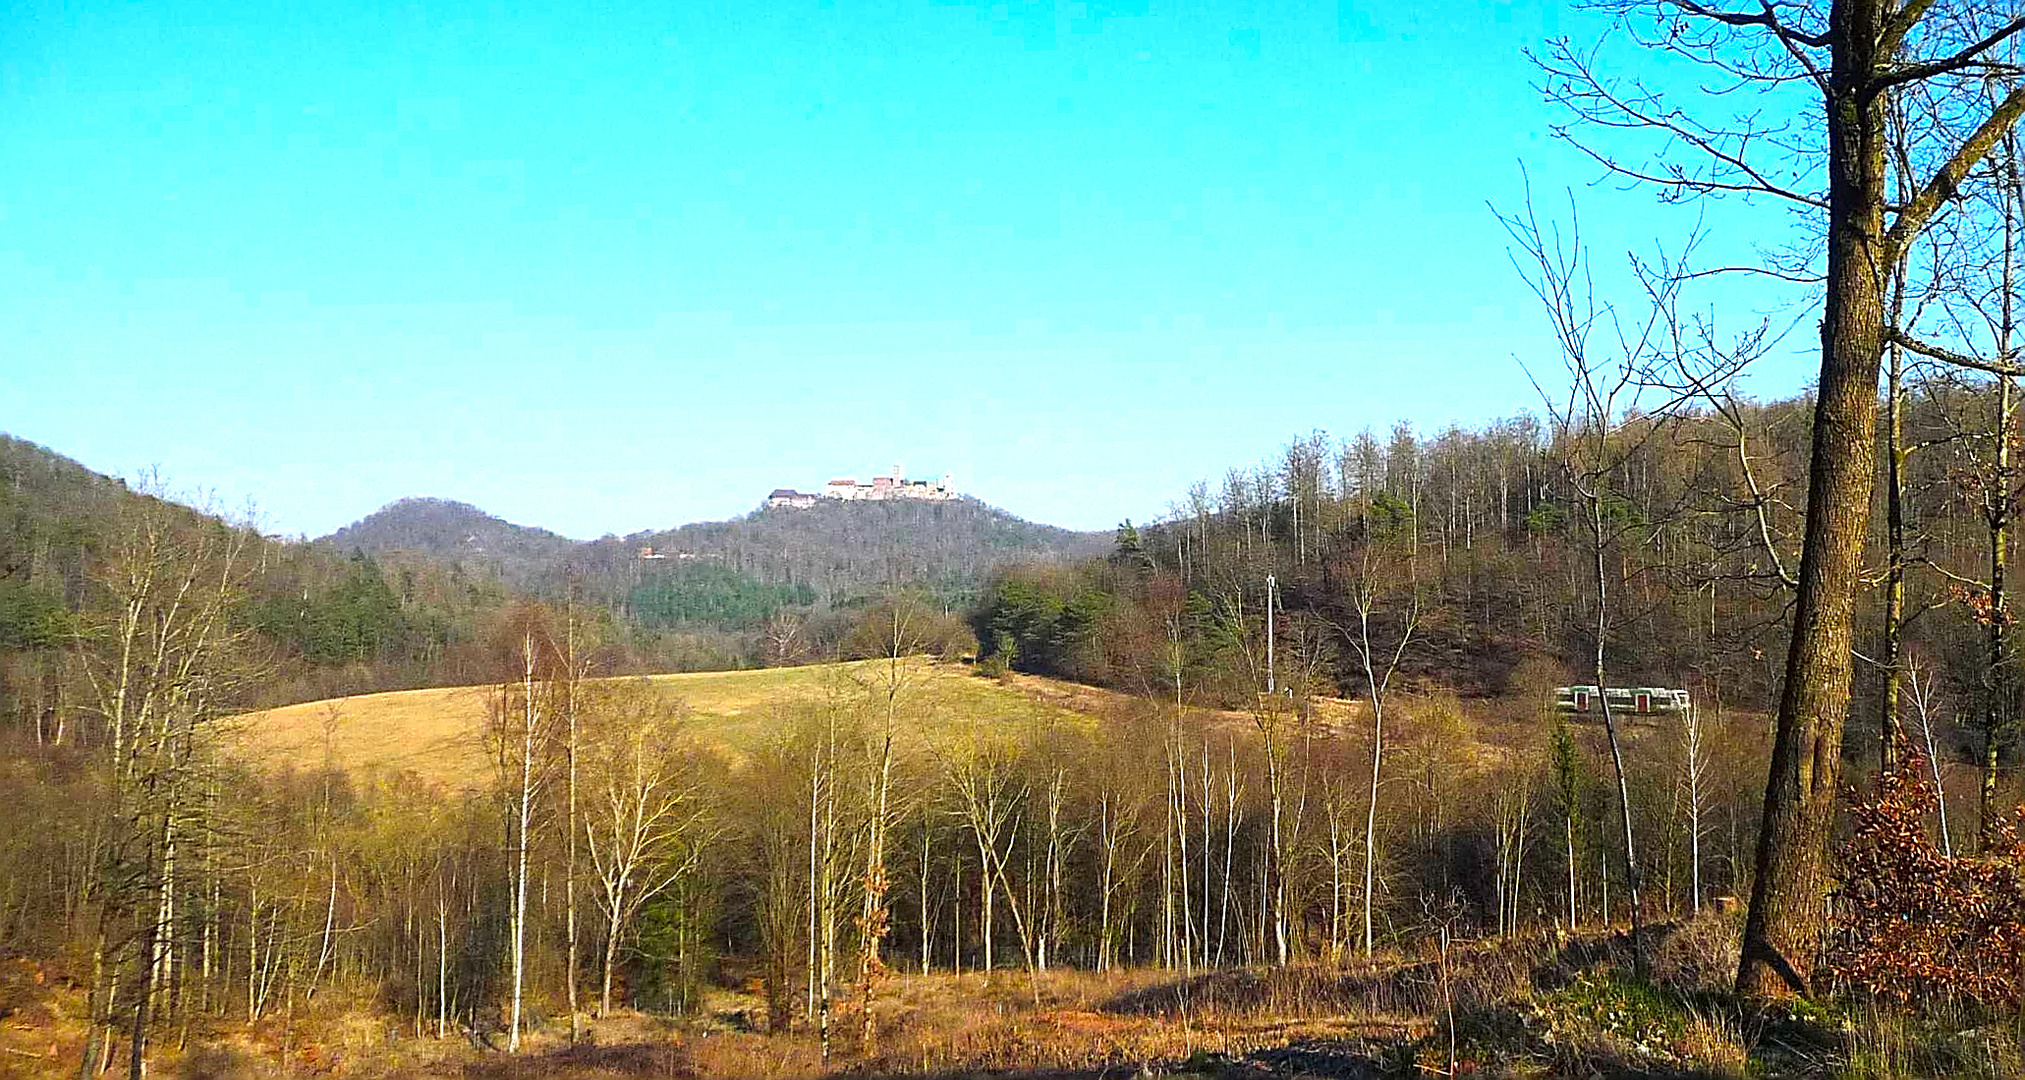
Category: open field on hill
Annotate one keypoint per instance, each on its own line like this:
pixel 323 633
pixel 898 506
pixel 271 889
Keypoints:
pixel 439 734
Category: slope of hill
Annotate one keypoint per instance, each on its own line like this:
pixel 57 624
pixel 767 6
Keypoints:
pixel 55 519
pixel 320 622
pixel 413 594
pixel 439 734
pixel 50 508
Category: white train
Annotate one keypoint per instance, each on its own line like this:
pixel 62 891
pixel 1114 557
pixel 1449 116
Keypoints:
pixel 1632 700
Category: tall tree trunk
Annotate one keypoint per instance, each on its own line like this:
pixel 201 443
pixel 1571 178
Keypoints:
pixel 987 889
pixel 137 1038
pixel 530 719
pixel 1694 778
pixel 1894 579
pixel 442 963
pixel 1276 779
pixel 611 961
pixel 872 919
pixel 1205 787
pixel 1631 874
pixel 827 951
pixel 815 833
pixel 1783 933
pixel 573 673
pixel 98 1009
pixel 1568 823
pixel 1185 917
pixel 1997 717
pixel 927 924
pixel 1229 850
pixel 1105 882
pixel 1170 950
pixel 1371 812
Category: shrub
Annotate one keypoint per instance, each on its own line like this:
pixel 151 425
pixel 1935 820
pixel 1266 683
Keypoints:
pixel 1700 954
pixel 1914 925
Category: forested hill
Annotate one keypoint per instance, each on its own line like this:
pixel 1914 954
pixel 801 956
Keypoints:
pixel 51 509
pixel 846 550
pixel 454 531
pixel 833 553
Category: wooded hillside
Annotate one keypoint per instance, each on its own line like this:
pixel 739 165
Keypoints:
pixel 838 553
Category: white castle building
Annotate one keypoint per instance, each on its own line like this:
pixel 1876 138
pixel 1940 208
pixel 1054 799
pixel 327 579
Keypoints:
pixel 892 485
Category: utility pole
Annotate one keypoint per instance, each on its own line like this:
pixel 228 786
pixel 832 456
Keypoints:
pixel 1269 633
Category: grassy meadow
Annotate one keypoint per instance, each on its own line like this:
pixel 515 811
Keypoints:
pixel 438 734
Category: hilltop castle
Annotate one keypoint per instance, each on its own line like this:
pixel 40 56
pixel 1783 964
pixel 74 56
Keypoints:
pixel 888 486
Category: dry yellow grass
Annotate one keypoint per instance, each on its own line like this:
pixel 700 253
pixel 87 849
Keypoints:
pixel 438 734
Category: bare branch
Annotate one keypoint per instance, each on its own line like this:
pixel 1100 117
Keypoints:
pixel 1766 17
pixel 1947 180
pixel 1968 56
pixel 1949 356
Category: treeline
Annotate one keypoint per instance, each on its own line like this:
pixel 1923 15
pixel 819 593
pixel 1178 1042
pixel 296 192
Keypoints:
pixel 1478 525
pixel 318 622
pixel 848 552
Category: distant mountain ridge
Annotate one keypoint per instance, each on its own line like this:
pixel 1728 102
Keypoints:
pixel 840 548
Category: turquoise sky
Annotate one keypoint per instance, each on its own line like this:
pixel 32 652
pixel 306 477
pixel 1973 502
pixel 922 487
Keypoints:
pixel 603 267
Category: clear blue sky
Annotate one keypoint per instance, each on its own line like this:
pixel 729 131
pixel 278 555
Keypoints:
pixel 604 267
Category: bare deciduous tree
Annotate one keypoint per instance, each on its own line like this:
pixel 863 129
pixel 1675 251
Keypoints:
pixel 642 830
pixel 1375 587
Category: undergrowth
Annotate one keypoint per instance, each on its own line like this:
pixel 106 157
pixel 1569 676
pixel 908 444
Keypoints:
pixel 1530 1007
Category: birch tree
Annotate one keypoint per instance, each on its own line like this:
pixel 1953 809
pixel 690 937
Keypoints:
pixel 987 795
pixel 1375 596
pixel 886 683
pixel 1597 427
pixel 643 828
pixel 163 660
pixel 523 735
pixel 1694 795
